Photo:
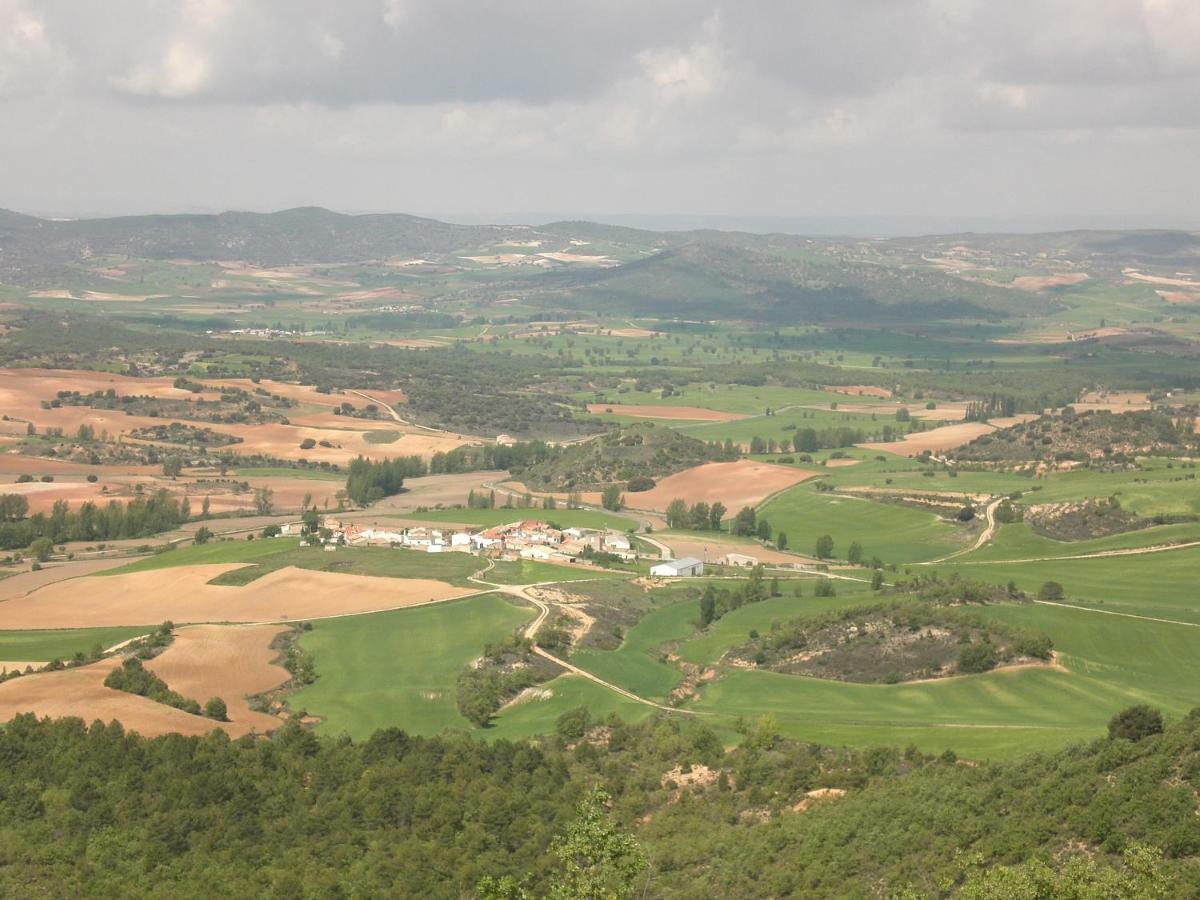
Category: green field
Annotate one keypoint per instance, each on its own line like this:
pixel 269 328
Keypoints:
pixel 636 665
pixel 537 717
pixel 268 554
pixel 485 518
pixel 1162 585
pixel 43 646
pixel 1018 541
pixel 894 533
pixel 1112 663
pixel 529 571
pixel 398 669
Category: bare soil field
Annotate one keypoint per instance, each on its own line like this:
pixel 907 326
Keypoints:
pixel 1160 279
pixel 691 413
pixel 712 549
pixel 1179 297
pixel 432 491
pixel 841 463
pixel 227 661
pixel 20 665
pixel 935 440
pixel 1114 401
pixel 1041 282
pixel 736 484
pixel 860 390
pixel 182 594
pixel 23 582
pixel 81 693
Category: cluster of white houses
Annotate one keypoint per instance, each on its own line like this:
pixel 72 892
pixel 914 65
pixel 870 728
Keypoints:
pixel 526 539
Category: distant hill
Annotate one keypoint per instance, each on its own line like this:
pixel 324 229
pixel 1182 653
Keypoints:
pixel 782 279
pixel 700 274
pixel 295 236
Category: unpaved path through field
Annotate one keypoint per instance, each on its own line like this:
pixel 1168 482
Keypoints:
pixel 1099 554
pixel 1109 612
pixel 530 633
pixel 984 536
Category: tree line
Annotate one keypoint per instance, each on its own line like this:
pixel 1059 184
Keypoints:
pixel 142 516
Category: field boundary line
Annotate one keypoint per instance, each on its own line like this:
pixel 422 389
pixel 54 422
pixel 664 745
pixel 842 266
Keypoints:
pixel 1111 612
pixel 1099 554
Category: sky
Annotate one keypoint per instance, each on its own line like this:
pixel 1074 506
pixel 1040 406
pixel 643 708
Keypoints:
pixel 478 109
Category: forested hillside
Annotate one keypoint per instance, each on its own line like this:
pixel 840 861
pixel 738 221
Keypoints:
pixel 100 811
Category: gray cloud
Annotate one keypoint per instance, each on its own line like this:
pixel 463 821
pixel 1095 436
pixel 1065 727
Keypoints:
pixel 754 106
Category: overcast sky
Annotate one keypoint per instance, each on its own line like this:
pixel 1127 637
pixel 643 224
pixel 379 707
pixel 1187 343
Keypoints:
pixel 500 107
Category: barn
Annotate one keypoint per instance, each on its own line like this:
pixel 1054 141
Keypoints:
pixel 678 568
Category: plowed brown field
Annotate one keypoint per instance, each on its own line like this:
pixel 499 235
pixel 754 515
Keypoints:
pixel 182 594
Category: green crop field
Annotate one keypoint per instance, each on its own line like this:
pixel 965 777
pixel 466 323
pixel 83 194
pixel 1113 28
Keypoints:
pixel 1162 585
pixel 268 554
pixel 894 533
pixel 537 717
pixel 485 518
pixel 46 645
pixel 529 571
pixel 1019 541
pixel 1112 663
pixel 399 668
pixel 636 664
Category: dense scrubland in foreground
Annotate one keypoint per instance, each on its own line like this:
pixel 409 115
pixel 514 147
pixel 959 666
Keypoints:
pixel 92 809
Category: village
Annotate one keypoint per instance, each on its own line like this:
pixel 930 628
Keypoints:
pixel 522 539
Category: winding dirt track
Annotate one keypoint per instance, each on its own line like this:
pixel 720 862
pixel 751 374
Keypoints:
pixel 530 633
pixel 984 536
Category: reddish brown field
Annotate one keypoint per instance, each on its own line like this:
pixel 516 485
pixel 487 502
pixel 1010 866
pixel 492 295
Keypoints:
pixel 935 440
pixel 736 484
pixel 205 661
pixel 711 550
pixel 227 661
pixel 648 411
pixel 23 582
pixel 81 693
pixel 183 594
pixel 1041 282
pixel 23 390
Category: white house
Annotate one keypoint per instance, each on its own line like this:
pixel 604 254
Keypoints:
pixel 739 559
pixel 536 551
pixel 678 568
pixel 460 539
pixel 616 542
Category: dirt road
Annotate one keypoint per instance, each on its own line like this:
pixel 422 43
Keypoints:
pixel 530 633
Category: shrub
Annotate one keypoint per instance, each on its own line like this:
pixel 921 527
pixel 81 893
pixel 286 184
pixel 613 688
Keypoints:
pixel 1051 590
pixel 1135 723
pixel 215 709
pixel 307 444
pixel 640 483
pixel 977 657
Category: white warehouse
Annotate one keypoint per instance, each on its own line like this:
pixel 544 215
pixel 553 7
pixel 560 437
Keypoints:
pixel 678 568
